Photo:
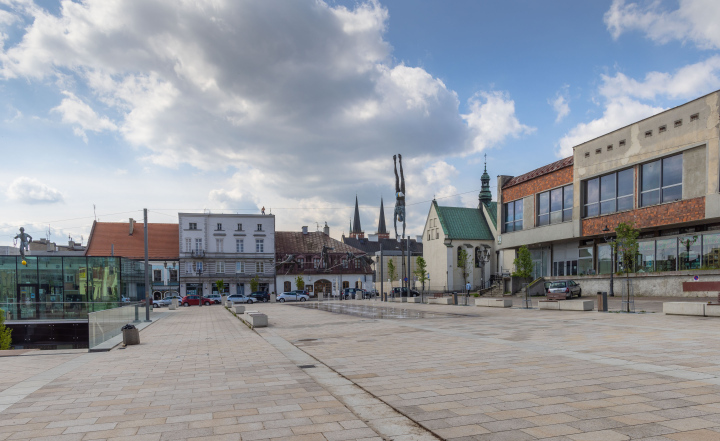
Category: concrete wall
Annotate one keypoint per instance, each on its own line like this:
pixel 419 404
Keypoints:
pixel 546 233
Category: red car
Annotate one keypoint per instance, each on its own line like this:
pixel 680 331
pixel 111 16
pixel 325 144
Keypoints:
pixel 195 300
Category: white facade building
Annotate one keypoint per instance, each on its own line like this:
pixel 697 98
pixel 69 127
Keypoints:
pixel 234 248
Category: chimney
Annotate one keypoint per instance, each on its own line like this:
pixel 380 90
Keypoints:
pixel 418 238
pixel 71 244
pixel 132 226
pixel 50 246
pixel 304 229
pixel 326 229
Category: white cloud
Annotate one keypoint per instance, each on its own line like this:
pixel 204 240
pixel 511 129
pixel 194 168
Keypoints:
pixel 560 105
pixel 492 119
pixel 31 191
pixel 694 20
pixel 74 111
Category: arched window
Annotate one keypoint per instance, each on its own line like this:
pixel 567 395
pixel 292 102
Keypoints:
pixel 358 284
pixel 478 257
pixel 459 251
pixel 287 286
pixel 346 284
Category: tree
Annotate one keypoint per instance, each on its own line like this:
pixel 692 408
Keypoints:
pixel 421 271
pixel 523 267
pixel 464 263
pixel 300 282
pixel 5 340
pixel 392 271
pixel 626 248
pixel 254 283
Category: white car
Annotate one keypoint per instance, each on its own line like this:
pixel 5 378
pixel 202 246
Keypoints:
pixel 292 297
pixel 239 298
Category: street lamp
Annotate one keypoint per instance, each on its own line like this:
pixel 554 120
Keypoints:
pixel 199 271
pixel 610 241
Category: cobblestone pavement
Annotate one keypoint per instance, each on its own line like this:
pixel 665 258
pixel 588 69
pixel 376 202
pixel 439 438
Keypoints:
pixel 461 373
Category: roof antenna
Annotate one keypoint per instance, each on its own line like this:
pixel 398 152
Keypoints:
pixel 94 213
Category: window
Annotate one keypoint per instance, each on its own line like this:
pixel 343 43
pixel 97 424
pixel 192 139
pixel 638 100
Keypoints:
pixel 621 143
pixel 240 267
pixel 689 252
pixel 220 268
pixel 259 267
pixel 609 148
pixel 648 133
pixel 344 263
pixel 678 123
pixel 259 245
pixel 259 227
pixel 662 129
pixel 585 261
pixel 188 267
pixel 198 266
pixel 646 257
pixel 157 276
pixel 605 264
pixel 666 255
pixel 711 251
pixel 316 263
pixel 598 151
pixel 694 117
pixel 193 226
pixel 239 227
pixel 239 246
pixel 609 193
pixel 188 245
pixel 661 181
pixel 587 154
pixel 219 227
pixel 219 245
pixel 428 235
pixel 555 206
pixel 437 233
pixel 198 245
pixel 513 216
pixel 287 286
pixel 173 275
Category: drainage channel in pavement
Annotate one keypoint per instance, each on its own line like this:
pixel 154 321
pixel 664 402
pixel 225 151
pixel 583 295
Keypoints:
pixel 374 312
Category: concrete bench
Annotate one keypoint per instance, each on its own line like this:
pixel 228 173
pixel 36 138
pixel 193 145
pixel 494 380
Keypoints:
pixel 258 320
pixel 440 301
pixel 414 299
pixel 567 305
pixel 494 303
pixel 251 312
pixel 689 308
pixel 400 299
pixel 239 309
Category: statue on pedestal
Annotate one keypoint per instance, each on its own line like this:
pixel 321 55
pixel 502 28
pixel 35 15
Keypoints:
pixel 399 197
pixel 25 240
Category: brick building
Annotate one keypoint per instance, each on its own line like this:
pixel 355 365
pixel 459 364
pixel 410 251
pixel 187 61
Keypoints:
pixel 661 173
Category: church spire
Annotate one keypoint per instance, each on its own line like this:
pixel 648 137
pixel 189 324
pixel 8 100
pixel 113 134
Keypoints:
pixel 357 231
pixel 485 196
pixel 382 229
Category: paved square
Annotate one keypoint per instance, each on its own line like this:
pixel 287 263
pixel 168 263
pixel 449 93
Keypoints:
pixel 450 372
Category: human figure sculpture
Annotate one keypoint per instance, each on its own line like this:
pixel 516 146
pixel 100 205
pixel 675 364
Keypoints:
pixel 325 256
pixel 25 240
pixel 399 215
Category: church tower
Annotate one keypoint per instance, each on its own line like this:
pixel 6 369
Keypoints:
pixel 485 196
pixel 382 232
pixel 357 232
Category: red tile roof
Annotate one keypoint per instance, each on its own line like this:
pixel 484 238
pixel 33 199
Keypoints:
pixel 163 240
pixel 567 162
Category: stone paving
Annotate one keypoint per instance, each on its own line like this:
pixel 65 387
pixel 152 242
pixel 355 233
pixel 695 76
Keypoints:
pixel 467 373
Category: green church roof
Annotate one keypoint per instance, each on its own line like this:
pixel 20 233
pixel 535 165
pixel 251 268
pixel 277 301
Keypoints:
pixel 463 223
pixel 492 212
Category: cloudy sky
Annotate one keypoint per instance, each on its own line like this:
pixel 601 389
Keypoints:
pixel 109 106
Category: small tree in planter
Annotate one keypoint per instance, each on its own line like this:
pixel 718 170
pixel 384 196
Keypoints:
pixel 421 271
pixel 464 263
pixel 254 284
pixel 300 282
pixel 5 340
pixel 523 269
pixel 626 247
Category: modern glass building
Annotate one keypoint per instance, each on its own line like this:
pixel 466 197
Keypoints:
pixel 56 288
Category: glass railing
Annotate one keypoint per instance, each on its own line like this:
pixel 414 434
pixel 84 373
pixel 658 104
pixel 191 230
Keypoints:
pixel 54 310
pixel 104 325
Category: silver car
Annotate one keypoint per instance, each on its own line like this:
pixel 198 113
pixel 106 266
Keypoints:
pixel 567 287
pixel 239 298
pixel 292 296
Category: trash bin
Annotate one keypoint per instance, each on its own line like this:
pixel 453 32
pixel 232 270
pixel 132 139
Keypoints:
pixel 602 301
pixel 454 298
pixel 131 335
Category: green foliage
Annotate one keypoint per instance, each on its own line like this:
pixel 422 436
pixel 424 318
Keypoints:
pixel 391 270
pixel 421 271
pixel 254 283
pixel 220 284
pixel 5 340
pixel 523 263
pixel 464 262
pixel 300 282
pixel 626 245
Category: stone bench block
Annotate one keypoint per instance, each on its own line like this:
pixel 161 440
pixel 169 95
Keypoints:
pixel 414 299
pixel 400 299
pixel 258 320
pixel 712 310
pixel 251 312
pixel 494 303
pixel 441 301
pixel 577 305
pixel 549 304
pixel 684 308
pixel 239 309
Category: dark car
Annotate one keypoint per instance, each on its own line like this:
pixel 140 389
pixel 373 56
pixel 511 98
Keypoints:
pixel 352 293
pixel 260 296
pixel 195 300
pixel 402 292
pixel 567 287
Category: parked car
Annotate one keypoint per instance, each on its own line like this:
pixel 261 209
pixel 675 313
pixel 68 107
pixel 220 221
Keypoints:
pixel 240 298
pixel 402 292
pixel 259 296
pixel 216 298
pixel 168 299
pixel 195 300
pixel 567 287
pixel 352 293
pixel 292 296
pixel 155 303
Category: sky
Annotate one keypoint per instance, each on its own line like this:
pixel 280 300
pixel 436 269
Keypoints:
pixel 108 107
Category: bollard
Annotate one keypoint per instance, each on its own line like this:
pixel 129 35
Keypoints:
pixel 137 313
pixel 602 301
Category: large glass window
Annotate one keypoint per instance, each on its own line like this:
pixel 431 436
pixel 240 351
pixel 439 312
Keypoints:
pixel 585 262
pixel 555 206
pixel 605 265
pixel 661 181
pixel 646 257
pixel 8 285
pixel 609 194
pixel 514 216
pixel 690 249
pixel 666 255
pixel 711 251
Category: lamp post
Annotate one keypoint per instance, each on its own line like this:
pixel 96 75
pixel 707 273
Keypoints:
pixel 484 258
pixel 200 282
pixel 448 243
pixel 609 240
